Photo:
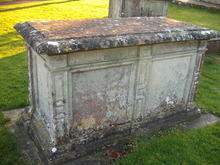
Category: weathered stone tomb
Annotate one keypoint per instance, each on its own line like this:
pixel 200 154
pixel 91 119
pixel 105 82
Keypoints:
pixel 137 8
pixel 96 81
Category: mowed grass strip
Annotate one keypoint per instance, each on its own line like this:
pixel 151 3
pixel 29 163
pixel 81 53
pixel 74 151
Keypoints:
pixel 198 147
pixel 206 18
pixel 208 94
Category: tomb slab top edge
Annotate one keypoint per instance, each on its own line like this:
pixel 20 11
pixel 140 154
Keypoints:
pixel 67 36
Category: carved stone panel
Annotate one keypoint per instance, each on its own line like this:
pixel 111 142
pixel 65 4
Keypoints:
pixel 101 97
pixel 168 80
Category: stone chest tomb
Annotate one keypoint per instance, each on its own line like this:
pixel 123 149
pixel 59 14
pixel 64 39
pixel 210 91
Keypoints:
pixel 137 8
pixel 96 81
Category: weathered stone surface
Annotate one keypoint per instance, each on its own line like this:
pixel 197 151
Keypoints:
pixel 82 100
pixel 214 46
pixel 80 103
pixel 212 1
pixel 137 8
pixel 67 36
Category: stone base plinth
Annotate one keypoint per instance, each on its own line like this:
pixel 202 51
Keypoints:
pixel 116 137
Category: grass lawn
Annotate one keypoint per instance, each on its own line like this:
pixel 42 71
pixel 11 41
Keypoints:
pixel 9 154
pixel 208 95
pixel 14 91
pixel 198 147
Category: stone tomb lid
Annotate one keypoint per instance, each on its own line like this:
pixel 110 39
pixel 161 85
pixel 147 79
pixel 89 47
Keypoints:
pixel 59 37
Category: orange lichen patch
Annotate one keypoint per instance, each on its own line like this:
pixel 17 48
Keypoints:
pixel 64 29
pixel 86 123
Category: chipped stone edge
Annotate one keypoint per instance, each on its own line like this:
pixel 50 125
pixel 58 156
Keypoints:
pixel 42 45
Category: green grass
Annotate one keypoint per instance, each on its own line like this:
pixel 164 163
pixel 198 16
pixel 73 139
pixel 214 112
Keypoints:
pixel 9 154
pixel 201 17
pixel 208 95
pixel 13 89
pixel 198 147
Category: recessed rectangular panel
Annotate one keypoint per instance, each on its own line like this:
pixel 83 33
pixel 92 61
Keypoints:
pixel 156 8
pixel 132 8
pixel 168 80
pixel 100 97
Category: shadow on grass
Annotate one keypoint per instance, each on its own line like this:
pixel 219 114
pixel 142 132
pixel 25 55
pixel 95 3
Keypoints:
pixel 11 44
pixel 11 39
pixel 44 4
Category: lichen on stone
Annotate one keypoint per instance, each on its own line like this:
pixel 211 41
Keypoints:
pixel 67 36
